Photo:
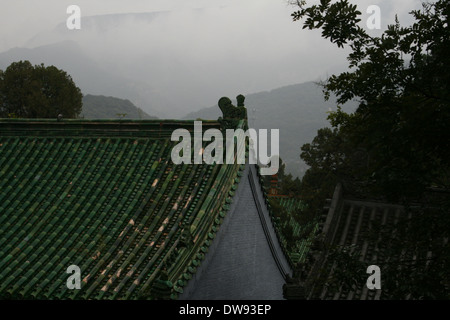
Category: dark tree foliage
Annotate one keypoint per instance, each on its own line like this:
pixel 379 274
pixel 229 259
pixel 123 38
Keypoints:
pixel 396 145
pixel 402 82
pixel 319 180
pixel 28 91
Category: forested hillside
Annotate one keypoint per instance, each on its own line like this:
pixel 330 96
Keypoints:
pixel 101 107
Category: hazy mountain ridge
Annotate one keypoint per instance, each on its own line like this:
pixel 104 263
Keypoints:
pixel 298 111
pixel 90 76
pixel 172 62
pixel 102 107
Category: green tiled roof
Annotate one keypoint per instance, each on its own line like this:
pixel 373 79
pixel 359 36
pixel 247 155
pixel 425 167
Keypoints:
pixel 291 203
pixel 300 248
pixel 105 196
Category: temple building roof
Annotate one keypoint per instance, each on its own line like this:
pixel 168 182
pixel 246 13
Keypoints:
pixel 104 195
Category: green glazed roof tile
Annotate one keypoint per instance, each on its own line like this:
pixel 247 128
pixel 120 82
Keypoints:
pixel 107 199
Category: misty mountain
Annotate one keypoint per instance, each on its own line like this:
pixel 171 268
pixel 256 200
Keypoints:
pixel 101 107
pixel 170 63
pixel 298 111
pixel 89 75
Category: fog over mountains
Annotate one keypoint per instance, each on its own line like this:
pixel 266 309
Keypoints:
pixel 170 58
pixel 171 63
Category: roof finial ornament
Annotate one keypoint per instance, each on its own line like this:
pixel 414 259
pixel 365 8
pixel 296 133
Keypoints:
pixel 232 114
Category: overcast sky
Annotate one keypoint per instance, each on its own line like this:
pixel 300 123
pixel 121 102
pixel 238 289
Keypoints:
pixel 256 38
pixel 22 19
